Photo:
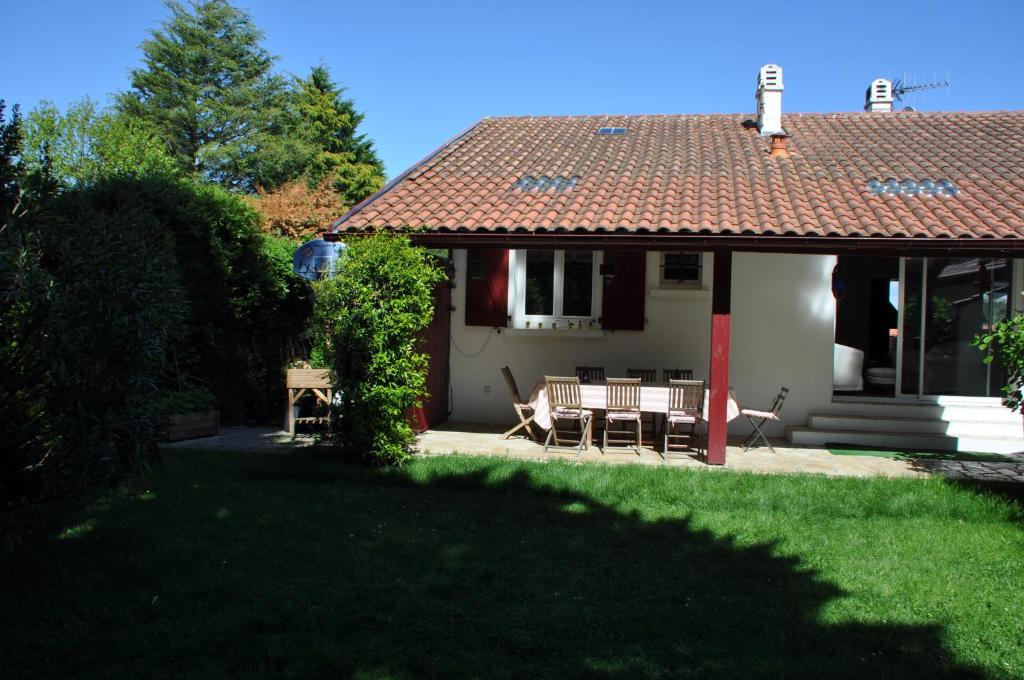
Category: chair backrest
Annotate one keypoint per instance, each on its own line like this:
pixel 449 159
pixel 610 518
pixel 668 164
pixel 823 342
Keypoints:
pixel 623 394
pixel 779 399
pixel 686 396
pixel 510 382
pixel 668 374
pixel 590 373
pixel 563 391
pixel 645 374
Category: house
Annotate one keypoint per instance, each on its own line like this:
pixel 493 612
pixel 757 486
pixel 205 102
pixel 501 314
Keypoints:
pixel 851 257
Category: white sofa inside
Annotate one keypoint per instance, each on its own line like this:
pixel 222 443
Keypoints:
pixel 847 369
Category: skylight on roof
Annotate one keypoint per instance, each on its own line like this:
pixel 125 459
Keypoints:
pixel 545 183
pixel 612 131
pixel 912 187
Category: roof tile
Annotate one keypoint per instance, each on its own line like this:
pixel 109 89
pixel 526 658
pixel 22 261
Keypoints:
pixel 713 174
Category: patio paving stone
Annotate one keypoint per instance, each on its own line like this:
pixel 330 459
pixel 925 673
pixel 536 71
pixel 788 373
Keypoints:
pixel 484 440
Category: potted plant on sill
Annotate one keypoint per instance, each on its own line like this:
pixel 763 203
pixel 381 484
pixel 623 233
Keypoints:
pixel 188 412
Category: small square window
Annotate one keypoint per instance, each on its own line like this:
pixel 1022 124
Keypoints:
pixel 681 268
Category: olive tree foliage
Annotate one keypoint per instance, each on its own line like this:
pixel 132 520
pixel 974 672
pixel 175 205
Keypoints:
pixel 90 307
pixel 367 319
pixel 86 143
pixel 1005 341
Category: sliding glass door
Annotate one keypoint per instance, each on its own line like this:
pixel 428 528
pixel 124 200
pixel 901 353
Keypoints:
pixel 946 302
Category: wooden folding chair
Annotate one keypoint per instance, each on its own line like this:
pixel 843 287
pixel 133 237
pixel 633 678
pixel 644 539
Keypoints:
pixel 623 406
pixel 564 400
pixel 648 375
pixel 668 374
pixel 758 418
pixel 590 374
pixel 685 407
pixel 523 409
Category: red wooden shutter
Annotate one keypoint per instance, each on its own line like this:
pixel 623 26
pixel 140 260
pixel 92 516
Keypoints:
pixel 622 305
pixel 487 288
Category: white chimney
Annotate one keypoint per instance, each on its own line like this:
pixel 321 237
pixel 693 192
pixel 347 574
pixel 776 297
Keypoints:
pixel 769 100
pixel 879 96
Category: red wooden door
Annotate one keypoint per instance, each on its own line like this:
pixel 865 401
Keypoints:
pixel 436 339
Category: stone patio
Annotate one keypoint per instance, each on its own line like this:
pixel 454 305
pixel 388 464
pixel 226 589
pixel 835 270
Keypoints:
pixel 482 440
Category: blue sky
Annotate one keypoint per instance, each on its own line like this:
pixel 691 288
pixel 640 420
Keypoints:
pixel 423 71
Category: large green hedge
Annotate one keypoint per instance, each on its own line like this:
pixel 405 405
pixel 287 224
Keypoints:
pixel 244 306
pixel 113 292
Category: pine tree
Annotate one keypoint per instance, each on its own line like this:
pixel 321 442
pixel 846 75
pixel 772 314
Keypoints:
pixel 316 137
pixel 207 89
pixel 330 122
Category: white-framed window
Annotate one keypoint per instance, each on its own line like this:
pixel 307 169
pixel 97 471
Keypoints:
pixel 550 287
pixel 681 270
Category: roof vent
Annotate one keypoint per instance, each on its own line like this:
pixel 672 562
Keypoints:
pixel 879 96
pixel 769 100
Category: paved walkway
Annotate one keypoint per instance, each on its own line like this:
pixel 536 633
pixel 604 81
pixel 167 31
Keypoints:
pixel 481 440
pixel 234 438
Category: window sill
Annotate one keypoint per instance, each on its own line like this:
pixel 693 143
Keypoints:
pixel 553 333
pixel 692 293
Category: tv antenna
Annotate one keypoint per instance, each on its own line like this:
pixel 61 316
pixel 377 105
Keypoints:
pixel 901 87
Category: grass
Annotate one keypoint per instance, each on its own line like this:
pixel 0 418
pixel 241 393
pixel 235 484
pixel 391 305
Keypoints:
pixel 910 454
pixel 277 566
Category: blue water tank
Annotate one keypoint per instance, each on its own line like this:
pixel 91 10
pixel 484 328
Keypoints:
pixel 318 259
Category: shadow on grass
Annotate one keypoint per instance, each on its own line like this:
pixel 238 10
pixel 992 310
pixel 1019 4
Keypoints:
pixel 297 566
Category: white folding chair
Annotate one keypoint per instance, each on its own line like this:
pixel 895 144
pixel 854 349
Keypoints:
pixel 758 418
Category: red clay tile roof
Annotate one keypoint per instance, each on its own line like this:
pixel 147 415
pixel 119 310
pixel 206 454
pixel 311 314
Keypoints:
pixel 712 175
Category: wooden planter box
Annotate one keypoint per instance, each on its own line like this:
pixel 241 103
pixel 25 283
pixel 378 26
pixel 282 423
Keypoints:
pixel 191 425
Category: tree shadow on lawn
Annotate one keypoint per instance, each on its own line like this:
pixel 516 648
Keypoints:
pixel 339 571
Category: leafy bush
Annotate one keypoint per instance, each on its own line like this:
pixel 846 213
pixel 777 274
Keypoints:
pixel 367 321
pixel 1006 341
pixel 297 210
pixel 188 398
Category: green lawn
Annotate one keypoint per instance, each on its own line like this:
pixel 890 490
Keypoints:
pixel 278 566
pixel 912 454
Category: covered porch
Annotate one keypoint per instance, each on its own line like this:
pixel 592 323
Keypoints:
pixel 762 316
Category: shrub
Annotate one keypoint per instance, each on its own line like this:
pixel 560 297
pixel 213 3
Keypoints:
pixel 187 398
pixel 1006 340
pixel 367 320
pixel 297 210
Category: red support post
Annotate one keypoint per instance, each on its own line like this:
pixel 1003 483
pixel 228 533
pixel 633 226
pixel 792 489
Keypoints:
pixel 721 292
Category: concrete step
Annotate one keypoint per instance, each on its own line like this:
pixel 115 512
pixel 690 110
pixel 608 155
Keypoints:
pixel 898 423
pixel 808 436
pixel 957 410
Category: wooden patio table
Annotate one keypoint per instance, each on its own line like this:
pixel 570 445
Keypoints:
pixel 594 396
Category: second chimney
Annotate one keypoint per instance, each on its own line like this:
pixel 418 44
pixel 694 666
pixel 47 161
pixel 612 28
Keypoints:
pixel 769 100
pixel 879 96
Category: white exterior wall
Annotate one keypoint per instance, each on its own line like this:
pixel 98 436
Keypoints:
pixel 783 327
